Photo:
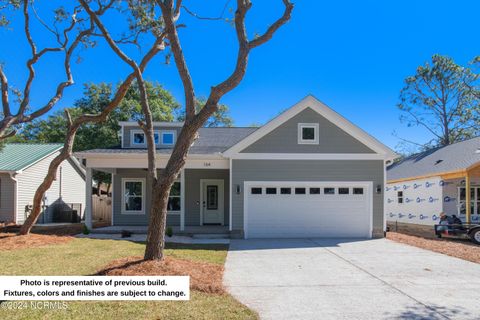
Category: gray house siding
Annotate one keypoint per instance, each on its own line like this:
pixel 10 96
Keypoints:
pixel 192 193
pixel 7 193
pixel 192 197
pixel 308 170
pixel 127 143
pixel 284 139
pixel 67 188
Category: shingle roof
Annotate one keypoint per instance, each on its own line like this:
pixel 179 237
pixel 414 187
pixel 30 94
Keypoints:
pixel 210 141
pixel 18 156
pixel 454 157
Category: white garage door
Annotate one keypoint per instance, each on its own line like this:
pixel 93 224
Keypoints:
pixel 307 209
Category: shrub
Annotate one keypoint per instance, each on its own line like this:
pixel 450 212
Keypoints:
pixel 169 232
pixel 85 230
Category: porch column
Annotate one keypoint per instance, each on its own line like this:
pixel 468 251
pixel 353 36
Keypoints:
pixel 467 198
pixel 88 198
pixel 182 200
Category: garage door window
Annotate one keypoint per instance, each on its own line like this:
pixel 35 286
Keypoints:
pixel 400 196
pixel 357 190
pixel 256 190
pixel 343 191
pixel 314 190
pixel 285 190
pixel 271 190
pixel 300 190
pixel 329 191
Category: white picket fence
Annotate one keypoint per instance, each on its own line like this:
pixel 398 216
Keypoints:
pixel 102 208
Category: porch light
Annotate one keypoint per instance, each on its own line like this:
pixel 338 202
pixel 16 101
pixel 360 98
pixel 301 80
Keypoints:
pixel 379 189
pixel 238 190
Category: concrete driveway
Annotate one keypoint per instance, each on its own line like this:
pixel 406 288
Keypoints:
pixel 334 279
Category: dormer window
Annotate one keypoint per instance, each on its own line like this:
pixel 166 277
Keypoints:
pixel 168 138
pixel 138 138
pixel 308 133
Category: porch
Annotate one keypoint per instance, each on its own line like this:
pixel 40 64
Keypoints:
pixel 199 201
pixel 189 231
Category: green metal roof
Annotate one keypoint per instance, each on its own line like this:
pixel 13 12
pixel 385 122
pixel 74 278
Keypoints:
pixel 18 156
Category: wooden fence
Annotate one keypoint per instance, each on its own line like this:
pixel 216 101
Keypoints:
pixel 102 208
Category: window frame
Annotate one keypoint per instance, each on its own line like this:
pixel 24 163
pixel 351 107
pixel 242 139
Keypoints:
pixel 133 212
pixel 316 139
pixel 163 132
pixel 132 135
pixel 174 196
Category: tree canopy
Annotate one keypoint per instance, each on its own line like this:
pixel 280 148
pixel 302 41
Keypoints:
pixel 443 98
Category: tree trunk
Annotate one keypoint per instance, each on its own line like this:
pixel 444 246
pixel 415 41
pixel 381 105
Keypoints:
pixel 158 220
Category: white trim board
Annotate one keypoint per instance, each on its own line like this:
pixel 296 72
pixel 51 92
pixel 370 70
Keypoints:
pixel 316 105
pixel 308 156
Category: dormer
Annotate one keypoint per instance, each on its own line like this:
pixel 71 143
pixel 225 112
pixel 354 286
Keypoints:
pixel 165 134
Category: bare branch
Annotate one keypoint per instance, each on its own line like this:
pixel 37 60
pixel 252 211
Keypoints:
pixel 193 14
pixel 274 27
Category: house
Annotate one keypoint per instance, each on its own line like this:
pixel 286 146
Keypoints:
pixel 424 185
pixel 23 168
pixel 307 173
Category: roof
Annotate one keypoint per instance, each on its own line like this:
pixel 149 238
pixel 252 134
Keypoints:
pixel 451 158
pixel 19 156
pixel 312 102
pixel 210 141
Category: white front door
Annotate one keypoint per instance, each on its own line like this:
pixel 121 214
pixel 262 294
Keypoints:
pixel 212 201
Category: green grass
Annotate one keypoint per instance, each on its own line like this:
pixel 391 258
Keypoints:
pixel 87 256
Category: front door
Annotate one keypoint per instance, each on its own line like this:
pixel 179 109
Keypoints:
pixel 212 201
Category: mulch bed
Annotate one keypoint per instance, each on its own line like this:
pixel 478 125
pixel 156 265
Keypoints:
pixel 456 248
pixel 204 277
pixel 10 241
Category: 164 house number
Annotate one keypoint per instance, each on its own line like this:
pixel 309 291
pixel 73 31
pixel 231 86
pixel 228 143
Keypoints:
pixel 207 164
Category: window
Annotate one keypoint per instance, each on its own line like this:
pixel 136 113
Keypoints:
pixel 168 138
pixel 300 191
pixel 329 190
pixel 400 196
pixel 256 190
pixel 138 137
pixel 133 193
pixel 155 137
pixel 271 190
pixel 174 198
pixel 357 190
pixel 285 190
pixel 308 133
pixel 314 190
pixel 343 191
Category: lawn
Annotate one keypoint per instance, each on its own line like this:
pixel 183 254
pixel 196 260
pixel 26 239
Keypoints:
pixel 88 256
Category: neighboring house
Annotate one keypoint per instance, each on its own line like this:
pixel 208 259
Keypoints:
pixel 424 185
pixel 23 168
pixel 307 173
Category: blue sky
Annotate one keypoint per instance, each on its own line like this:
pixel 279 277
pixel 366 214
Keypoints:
pixel 351 55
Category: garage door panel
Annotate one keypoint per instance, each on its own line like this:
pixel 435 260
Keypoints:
pixel 307 215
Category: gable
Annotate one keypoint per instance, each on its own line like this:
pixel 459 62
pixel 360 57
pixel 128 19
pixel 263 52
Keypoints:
pixel 284 138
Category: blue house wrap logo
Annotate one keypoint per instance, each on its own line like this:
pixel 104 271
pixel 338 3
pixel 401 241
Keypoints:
pixel 407 200
pixel 392 214
pixel 420 200
pixel 395 188
pixel 405 187
pixel 401 215
pixel 429 184
pixel 475 218
pixel 389 200
pixel 449 199
pixel 444 183
pixel 411 216
pixel 415 185
pixel 432 199
pixel 423 217
pixel 434 217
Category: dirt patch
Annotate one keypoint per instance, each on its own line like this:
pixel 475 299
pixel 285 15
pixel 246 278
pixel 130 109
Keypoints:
pixel 10 241
pixel 456 248
pixel 204 277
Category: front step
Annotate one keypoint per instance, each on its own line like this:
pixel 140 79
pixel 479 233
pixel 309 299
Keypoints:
pixel 210 236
